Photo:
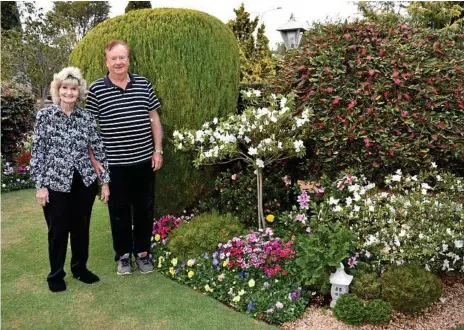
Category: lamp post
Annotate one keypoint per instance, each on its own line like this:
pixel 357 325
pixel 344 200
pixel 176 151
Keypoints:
pixel 291 32
pixel 264 12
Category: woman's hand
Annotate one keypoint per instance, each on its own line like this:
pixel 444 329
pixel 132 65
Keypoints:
pixel 105 192
pixel 41 196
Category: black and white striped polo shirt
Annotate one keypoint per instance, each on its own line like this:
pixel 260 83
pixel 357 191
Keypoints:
pixel 124 117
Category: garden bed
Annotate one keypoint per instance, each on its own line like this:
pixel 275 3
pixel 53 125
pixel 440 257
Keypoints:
pixel 447 313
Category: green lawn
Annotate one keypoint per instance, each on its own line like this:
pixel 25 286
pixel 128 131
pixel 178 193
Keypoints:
pixel 132 302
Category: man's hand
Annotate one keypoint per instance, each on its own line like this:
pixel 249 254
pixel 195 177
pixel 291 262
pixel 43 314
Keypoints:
pixel 41 196
pixel 105 192
pixel 156 161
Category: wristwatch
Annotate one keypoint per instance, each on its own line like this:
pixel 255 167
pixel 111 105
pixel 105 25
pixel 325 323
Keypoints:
pixel 159 151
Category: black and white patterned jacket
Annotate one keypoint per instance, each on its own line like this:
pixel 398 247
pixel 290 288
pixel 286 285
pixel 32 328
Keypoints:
pixel 60 145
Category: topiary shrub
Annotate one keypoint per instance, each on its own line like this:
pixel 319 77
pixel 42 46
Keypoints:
pixel 378 311
pixel 202 234
pixel 410 288
pixel 192 60
pixel 366 285
pixel 18 116
pixel 349 309
pixel 386 97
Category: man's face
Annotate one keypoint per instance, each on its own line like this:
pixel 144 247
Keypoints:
pixel 117 60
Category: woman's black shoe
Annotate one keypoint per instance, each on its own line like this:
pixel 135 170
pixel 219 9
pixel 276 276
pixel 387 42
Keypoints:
pixel 87 277
pixel 57 286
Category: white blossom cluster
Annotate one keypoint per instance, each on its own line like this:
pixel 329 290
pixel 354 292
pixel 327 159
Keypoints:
pixel 419 218
pixel 260 135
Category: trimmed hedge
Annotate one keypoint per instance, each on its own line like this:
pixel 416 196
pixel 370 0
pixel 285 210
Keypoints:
pixel 192 60
pixel 386 97
pixel 18 116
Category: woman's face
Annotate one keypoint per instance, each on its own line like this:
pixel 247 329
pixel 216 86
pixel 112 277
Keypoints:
pixel 69 92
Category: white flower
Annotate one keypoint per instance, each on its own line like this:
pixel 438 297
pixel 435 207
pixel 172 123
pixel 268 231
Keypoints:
pixel 396 178
pixel 283 101
pixel 333 201
pixel 252 151
pixel 439 178
pixel 424 191
pixel 371 208
pixel 279 305
pixel 444 247
pixel 356 208
pixel 349 200
pixel 247 139
pixel 179 146
pixel 414 178
pixel 298 145
pixel 248 93
pixel 356 196
pixel 354 187
pixel 279 145
pixel 259 163
pixel 459 244
pixel 367 254
pixel 215 121
pixel 338 208
pixel 257 93
pixel 433 165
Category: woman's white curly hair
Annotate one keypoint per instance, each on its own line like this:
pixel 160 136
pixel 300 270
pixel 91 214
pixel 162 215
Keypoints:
pixel 71 75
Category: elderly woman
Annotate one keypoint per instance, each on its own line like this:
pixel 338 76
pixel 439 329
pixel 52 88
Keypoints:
pixel 65 180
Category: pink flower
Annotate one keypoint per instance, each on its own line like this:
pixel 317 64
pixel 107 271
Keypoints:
pixel 234 176
pixel 352 262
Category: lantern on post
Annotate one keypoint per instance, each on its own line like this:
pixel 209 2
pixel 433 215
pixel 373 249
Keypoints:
pixel 291 32
pixel 340 284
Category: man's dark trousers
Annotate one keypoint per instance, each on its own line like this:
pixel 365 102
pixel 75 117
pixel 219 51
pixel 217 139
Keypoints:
pixel 69 213
pixel 131 203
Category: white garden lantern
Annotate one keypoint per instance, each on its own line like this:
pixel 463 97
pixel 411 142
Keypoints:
pixel 340 284
pixel 291 33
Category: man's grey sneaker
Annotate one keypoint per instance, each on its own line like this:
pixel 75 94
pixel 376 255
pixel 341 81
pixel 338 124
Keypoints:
pixel 124 265
pixel 143 262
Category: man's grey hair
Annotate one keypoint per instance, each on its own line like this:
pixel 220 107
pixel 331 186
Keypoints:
pixel 70 75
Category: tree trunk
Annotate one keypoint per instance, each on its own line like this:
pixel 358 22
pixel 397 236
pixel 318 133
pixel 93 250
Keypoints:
pixel 259 180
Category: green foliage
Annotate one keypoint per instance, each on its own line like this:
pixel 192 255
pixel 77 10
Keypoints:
pixel 378 311
pixel 386 97
pixel 235 192
pixel 410 288
pixel 366 285
pixel 76 18
pixel 134 5
pixel 256 62
pixel 320 252
pixel 18 115
pixel 192 60
pixel 438 14
pixel 202 234
pixel 349 309
pixel 10 15
pixel 33 54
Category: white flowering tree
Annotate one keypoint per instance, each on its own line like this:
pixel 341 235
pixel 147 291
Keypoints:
pixel 269 130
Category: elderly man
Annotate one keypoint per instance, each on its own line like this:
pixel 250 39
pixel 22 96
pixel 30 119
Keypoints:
pixel 126 108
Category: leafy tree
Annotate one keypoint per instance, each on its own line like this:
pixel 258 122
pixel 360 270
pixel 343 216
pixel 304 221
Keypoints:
pixel 35 53
pixel 76 18
pixel 134 5
pixel 438 14
pixel 10 15
pixel 256 62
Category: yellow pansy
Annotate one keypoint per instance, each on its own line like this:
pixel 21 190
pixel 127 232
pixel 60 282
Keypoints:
pixel 190 262
pixel 241 292
pixel 236 299
pixel 207 288
pixel 190 274
pixel 270 218
pixel 251 283
pixel 174 261
pixel 172 271
pixel 225 263
pixel 157 237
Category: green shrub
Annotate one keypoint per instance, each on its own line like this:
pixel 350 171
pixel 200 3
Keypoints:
pixel 18 116
pixel 319 253
pixel 366 285
pixel 203 234
pixel 349 309
pixel 378 311
pixel 410 288
pixel 386 97
pixel 192 60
